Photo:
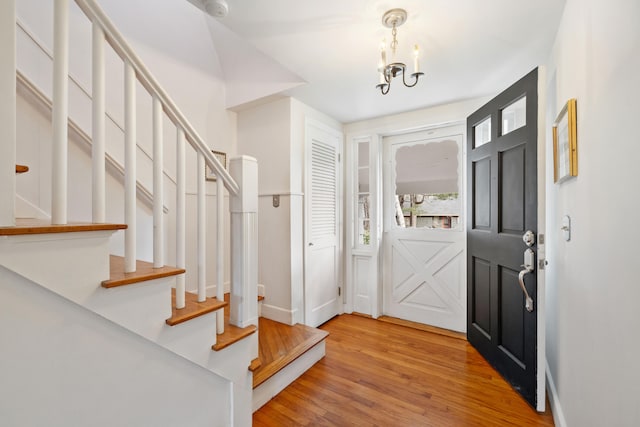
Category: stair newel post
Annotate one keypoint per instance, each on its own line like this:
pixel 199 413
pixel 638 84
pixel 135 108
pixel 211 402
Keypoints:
pixel 158 187
pixel 181 235
pixel 60 111
pixel 7 112
pixel 202 229
pixel 220 251
pixel 244 243
pixel 129 167
pixel 98 126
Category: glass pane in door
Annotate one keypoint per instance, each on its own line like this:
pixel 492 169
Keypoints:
pixel 427 181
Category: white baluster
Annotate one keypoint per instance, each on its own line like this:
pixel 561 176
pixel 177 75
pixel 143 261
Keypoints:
pixel 60 111
pixel 181 191
pixel 130 167
pixel 7 112
pixel 202 230
pixel 220 251
pixel 98 127
pixel 158 188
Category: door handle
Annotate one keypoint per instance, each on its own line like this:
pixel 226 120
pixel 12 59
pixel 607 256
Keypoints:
pixel 528 266
pixel 528 300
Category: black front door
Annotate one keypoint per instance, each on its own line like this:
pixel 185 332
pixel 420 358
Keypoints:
pixel 502 207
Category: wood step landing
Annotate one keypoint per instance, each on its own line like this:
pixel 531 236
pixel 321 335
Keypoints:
pixel 144 271
pixel 26 226
pixel 22 168
pixel 280 345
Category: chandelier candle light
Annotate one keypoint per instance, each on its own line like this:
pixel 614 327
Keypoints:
pixel 393 19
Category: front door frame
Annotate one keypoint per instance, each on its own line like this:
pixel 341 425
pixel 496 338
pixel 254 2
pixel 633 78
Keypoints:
pixel 442 115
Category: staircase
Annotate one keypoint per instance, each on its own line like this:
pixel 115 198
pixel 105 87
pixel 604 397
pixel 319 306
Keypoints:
pixel 84 318
pixel 58 277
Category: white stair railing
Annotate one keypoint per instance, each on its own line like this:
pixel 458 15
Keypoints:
pixel 243 199
pixel 60 112
pixel 7 113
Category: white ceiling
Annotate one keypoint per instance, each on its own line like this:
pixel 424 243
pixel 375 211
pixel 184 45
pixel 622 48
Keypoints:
pixel 469 48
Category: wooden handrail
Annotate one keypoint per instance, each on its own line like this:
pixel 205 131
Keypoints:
pixel 126 53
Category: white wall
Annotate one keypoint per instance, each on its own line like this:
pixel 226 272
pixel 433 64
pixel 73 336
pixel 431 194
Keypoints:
pixel 274 133
pixel 263 132
pixel 592 292
pixel 62 365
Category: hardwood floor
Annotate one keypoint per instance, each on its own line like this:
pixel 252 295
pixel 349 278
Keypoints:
pixel 377 373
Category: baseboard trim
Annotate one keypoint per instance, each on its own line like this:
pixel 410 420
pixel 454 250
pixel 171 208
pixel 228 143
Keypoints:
pixel 278 314
pixel 554 400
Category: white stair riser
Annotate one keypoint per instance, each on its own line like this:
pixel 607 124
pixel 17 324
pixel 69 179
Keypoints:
pixel 274 385
pixel 70 264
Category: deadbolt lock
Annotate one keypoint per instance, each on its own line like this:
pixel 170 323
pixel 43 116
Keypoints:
pixel 529 238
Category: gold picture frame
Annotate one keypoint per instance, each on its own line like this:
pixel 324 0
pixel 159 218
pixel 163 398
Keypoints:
pixel 222 157
pixel 565 143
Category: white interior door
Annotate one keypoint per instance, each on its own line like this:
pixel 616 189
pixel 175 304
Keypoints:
pixel 424 239
pixel 322 232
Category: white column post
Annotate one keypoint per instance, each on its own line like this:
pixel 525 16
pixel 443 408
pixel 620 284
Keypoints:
pixel 202 230
pixel 60 111
pixel 181 191
pixel 130 167
pixel 8 113
pixel 244 242
pixel 220 252
pixel 98 127
pixel 158 188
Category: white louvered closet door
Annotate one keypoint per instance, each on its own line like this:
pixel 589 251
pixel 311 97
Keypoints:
pixel 322 256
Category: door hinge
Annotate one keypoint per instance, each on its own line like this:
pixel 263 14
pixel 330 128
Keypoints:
pixel 338 157
pixel 339 291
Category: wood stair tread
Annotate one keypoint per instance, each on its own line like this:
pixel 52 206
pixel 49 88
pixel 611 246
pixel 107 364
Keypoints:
pixel 22 168
pixel 232 334
pixel 26 226
pixel 144 271
pixel 255 364
pixel 192 308
pixel 281 344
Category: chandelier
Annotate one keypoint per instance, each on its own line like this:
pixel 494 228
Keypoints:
pixel 393 19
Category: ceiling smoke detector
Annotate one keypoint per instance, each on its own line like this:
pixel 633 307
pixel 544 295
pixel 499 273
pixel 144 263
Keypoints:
pixel 217 8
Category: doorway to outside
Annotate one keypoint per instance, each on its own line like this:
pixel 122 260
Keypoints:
pixel 424 232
